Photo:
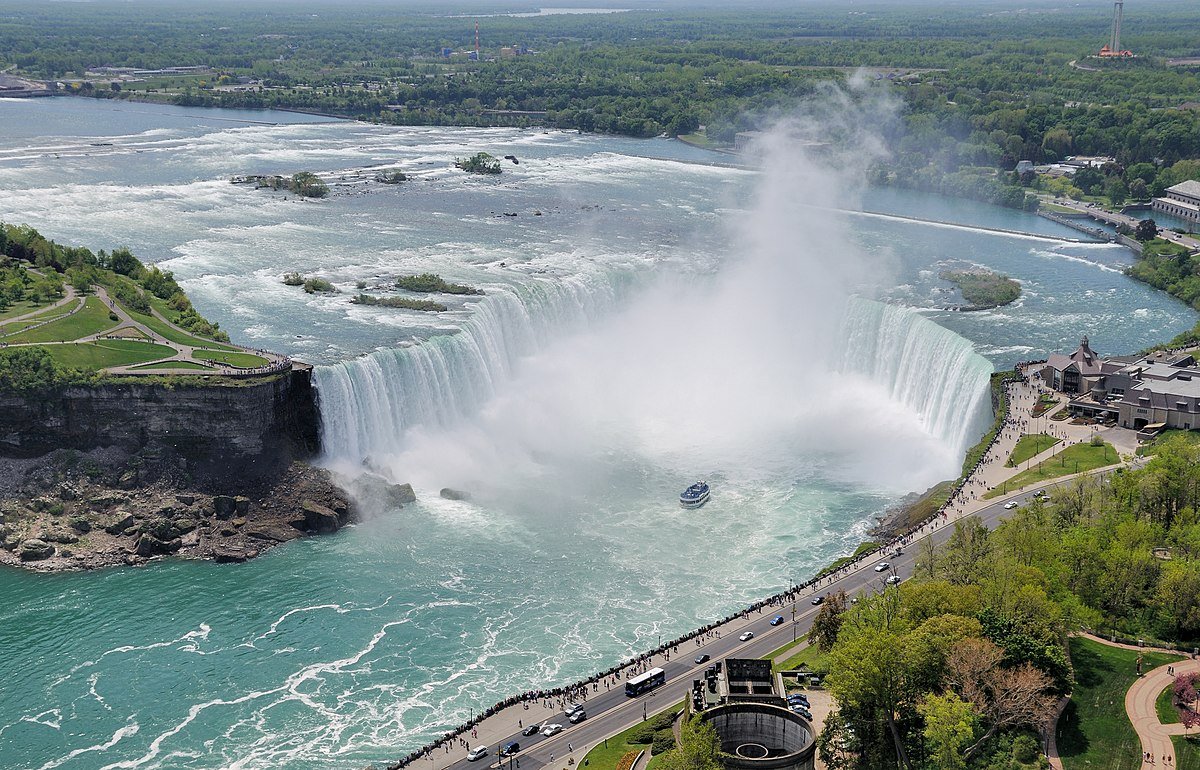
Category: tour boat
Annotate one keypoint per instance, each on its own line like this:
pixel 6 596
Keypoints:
pixel 694 496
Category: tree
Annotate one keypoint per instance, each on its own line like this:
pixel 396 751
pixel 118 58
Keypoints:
pixel 828 622
pixel 308 185
pixel 1146 230
pixel 122 261
pixel 1005 697
pixel 698 748
pixel 1138 190
pixel 949 729
pixel 1116 191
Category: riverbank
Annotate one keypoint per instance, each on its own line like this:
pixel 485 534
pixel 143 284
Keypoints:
pixel 71 511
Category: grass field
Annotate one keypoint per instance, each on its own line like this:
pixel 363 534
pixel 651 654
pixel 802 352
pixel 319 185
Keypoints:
pixel 1165 706
pixel 1187 752
pixel 177 365
pixel 91 320
pixel 98 355
pixel 240 360
pixel 606 755
pixel 1028 446
pixel 1094 731
pixel 174 333
pixel 773 654
pixel 810 658
pixel 1074 459
pixel 25 306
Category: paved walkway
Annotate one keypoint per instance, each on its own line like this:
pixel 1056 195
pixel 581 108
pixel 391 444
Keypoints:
pixel 1140 706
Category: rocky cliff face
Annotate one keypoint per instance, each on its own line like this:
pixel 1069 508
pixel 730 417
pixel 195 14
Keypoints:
pixel 247 432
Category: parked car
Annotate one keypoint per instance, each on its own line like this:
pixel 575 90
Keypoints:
pixel 510 748
pixel 479 752
pixel 573 709
pixel 531 730
pixel 893 580
pixel 776 620
pixel 1010 505
pixel 577 717
pixel 553 729
pixel 747 636
pixel 883 566
pixel 797 699
pixel 702 659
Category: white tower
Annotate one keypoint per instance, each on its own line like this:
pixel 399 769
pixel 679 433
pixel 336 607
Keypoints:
pixel 1114 43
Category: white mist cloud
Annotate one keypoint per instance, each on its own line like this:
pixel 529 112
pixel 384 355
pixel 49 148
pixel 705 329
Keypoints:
pixel 736 373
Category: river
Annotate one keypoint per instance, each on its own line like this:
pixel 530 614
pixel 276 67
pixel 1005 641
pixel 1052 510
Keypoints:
pixel 633 335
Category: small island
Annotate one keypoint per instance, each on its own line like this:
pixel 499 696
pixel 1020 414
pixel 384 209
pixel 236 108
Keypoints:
pixel 311 285
pixel 983 289
pixel 305 183
pixel 479 163
pixel 404 303
pixel 430 283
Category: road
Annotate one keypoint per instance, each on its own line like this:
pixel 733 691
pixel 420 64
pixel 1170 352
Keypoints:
pixel 610 712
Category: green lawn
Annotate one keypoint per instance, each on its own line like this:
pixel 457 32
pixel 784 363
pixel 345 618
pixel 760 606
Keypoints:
pixel 810 658
pixel 1074 459
pixel 1165 706
pixel 240 360
pixel 25 306
pixel 98 355
pixel 1153 446
pixel 1187 752
pixel 174 333
pixel 91 320
pixel 1094 732
pixel 606 754
pixel 1028 446
pixel 176 365
pixel 842 561
pixel 773 654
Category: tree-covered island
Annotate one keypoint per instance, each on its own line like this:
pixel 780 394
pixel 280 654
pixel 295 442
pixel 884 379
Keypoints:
pixel 983 289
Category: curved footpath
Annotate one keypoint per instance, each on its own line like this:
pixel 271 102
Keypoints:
pixel 1143 714
pixel 610 711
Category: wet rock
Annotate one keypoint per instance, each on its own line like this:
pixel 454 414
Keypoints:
pixel 241 505
pixel 183 526
pixel 273 532
pixel 123 522
pixel 403 494
pixel 34 550
pixel 454 494
pixel 149 545
pixel 230 554
pixel 223 506
pixel 318 518
pixel 186 499
pixel 160 528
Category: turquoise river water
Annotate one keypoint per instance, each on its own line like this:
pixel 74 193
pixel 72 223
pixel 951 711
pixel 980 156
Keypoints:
pixel 650 316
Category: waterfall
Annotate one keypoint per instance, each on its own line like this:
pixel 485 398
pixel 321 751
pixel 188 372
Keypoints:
pixel 926 367
pixel 369 404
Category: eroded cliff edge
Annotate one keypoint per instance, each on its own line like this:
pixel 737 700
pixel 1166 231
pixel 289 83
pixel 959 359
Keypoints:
pixel 126 470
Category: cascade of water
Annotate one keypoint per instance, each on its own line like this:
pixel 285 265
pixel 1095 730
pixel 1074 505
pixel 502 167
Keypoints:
pixel 928 368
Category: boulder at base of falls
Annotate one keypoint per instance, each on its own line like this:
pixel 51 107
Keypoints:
pixel 34 550
pixel 454 494
pixel 318 518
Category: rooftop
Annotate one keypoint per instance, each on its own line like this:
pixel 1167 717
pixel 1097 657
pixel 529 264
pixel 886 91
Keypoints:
pixel 1190 187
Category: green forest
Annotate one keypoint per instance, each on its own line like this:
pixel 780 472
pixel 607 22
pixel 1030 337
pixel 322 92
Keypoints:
pixel 953 668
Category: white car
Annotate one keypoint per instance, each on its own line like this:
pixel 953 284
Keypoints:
pixel 479 752
pixel 882 566
pixel 747 636
pixel 572 708
pixel 553 729
pixel 893 580
pixel 1010 505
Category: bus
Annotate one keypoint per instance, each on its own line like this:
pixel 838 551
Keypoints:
pixel 645 682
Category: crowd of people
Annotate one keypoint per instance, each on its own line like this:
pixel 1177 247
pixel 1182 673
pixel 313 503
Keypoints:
pixel 612 677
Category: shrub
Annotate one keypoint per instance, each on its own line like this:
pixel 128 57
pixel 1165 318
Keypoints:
pixel 664 741
pixel 293 279
pixel 1025 749
pixel 643 735
pixel 314 285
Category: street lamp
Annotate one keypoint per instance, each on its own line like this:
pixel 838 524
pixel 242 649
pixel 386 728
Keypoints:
pixel 793 622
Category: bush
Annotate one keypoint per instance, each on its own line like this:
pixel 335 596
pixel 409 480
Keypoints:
pixel 314 285
pixel 643 735
pixel 664 741
pixel 479 163
pixel 1025 749
pixel 293 279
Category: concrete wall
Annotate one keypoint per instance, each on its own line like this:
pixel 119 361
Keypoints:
pixel 788 736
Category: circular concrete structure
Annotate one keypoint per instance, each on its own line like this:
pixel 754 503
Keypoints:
pixel 758 736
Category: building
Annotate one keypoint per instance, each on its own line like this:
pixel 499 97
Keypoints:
pixel 1182 200
pixel 1159 390
pixel 745 703
pixel 1024 166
